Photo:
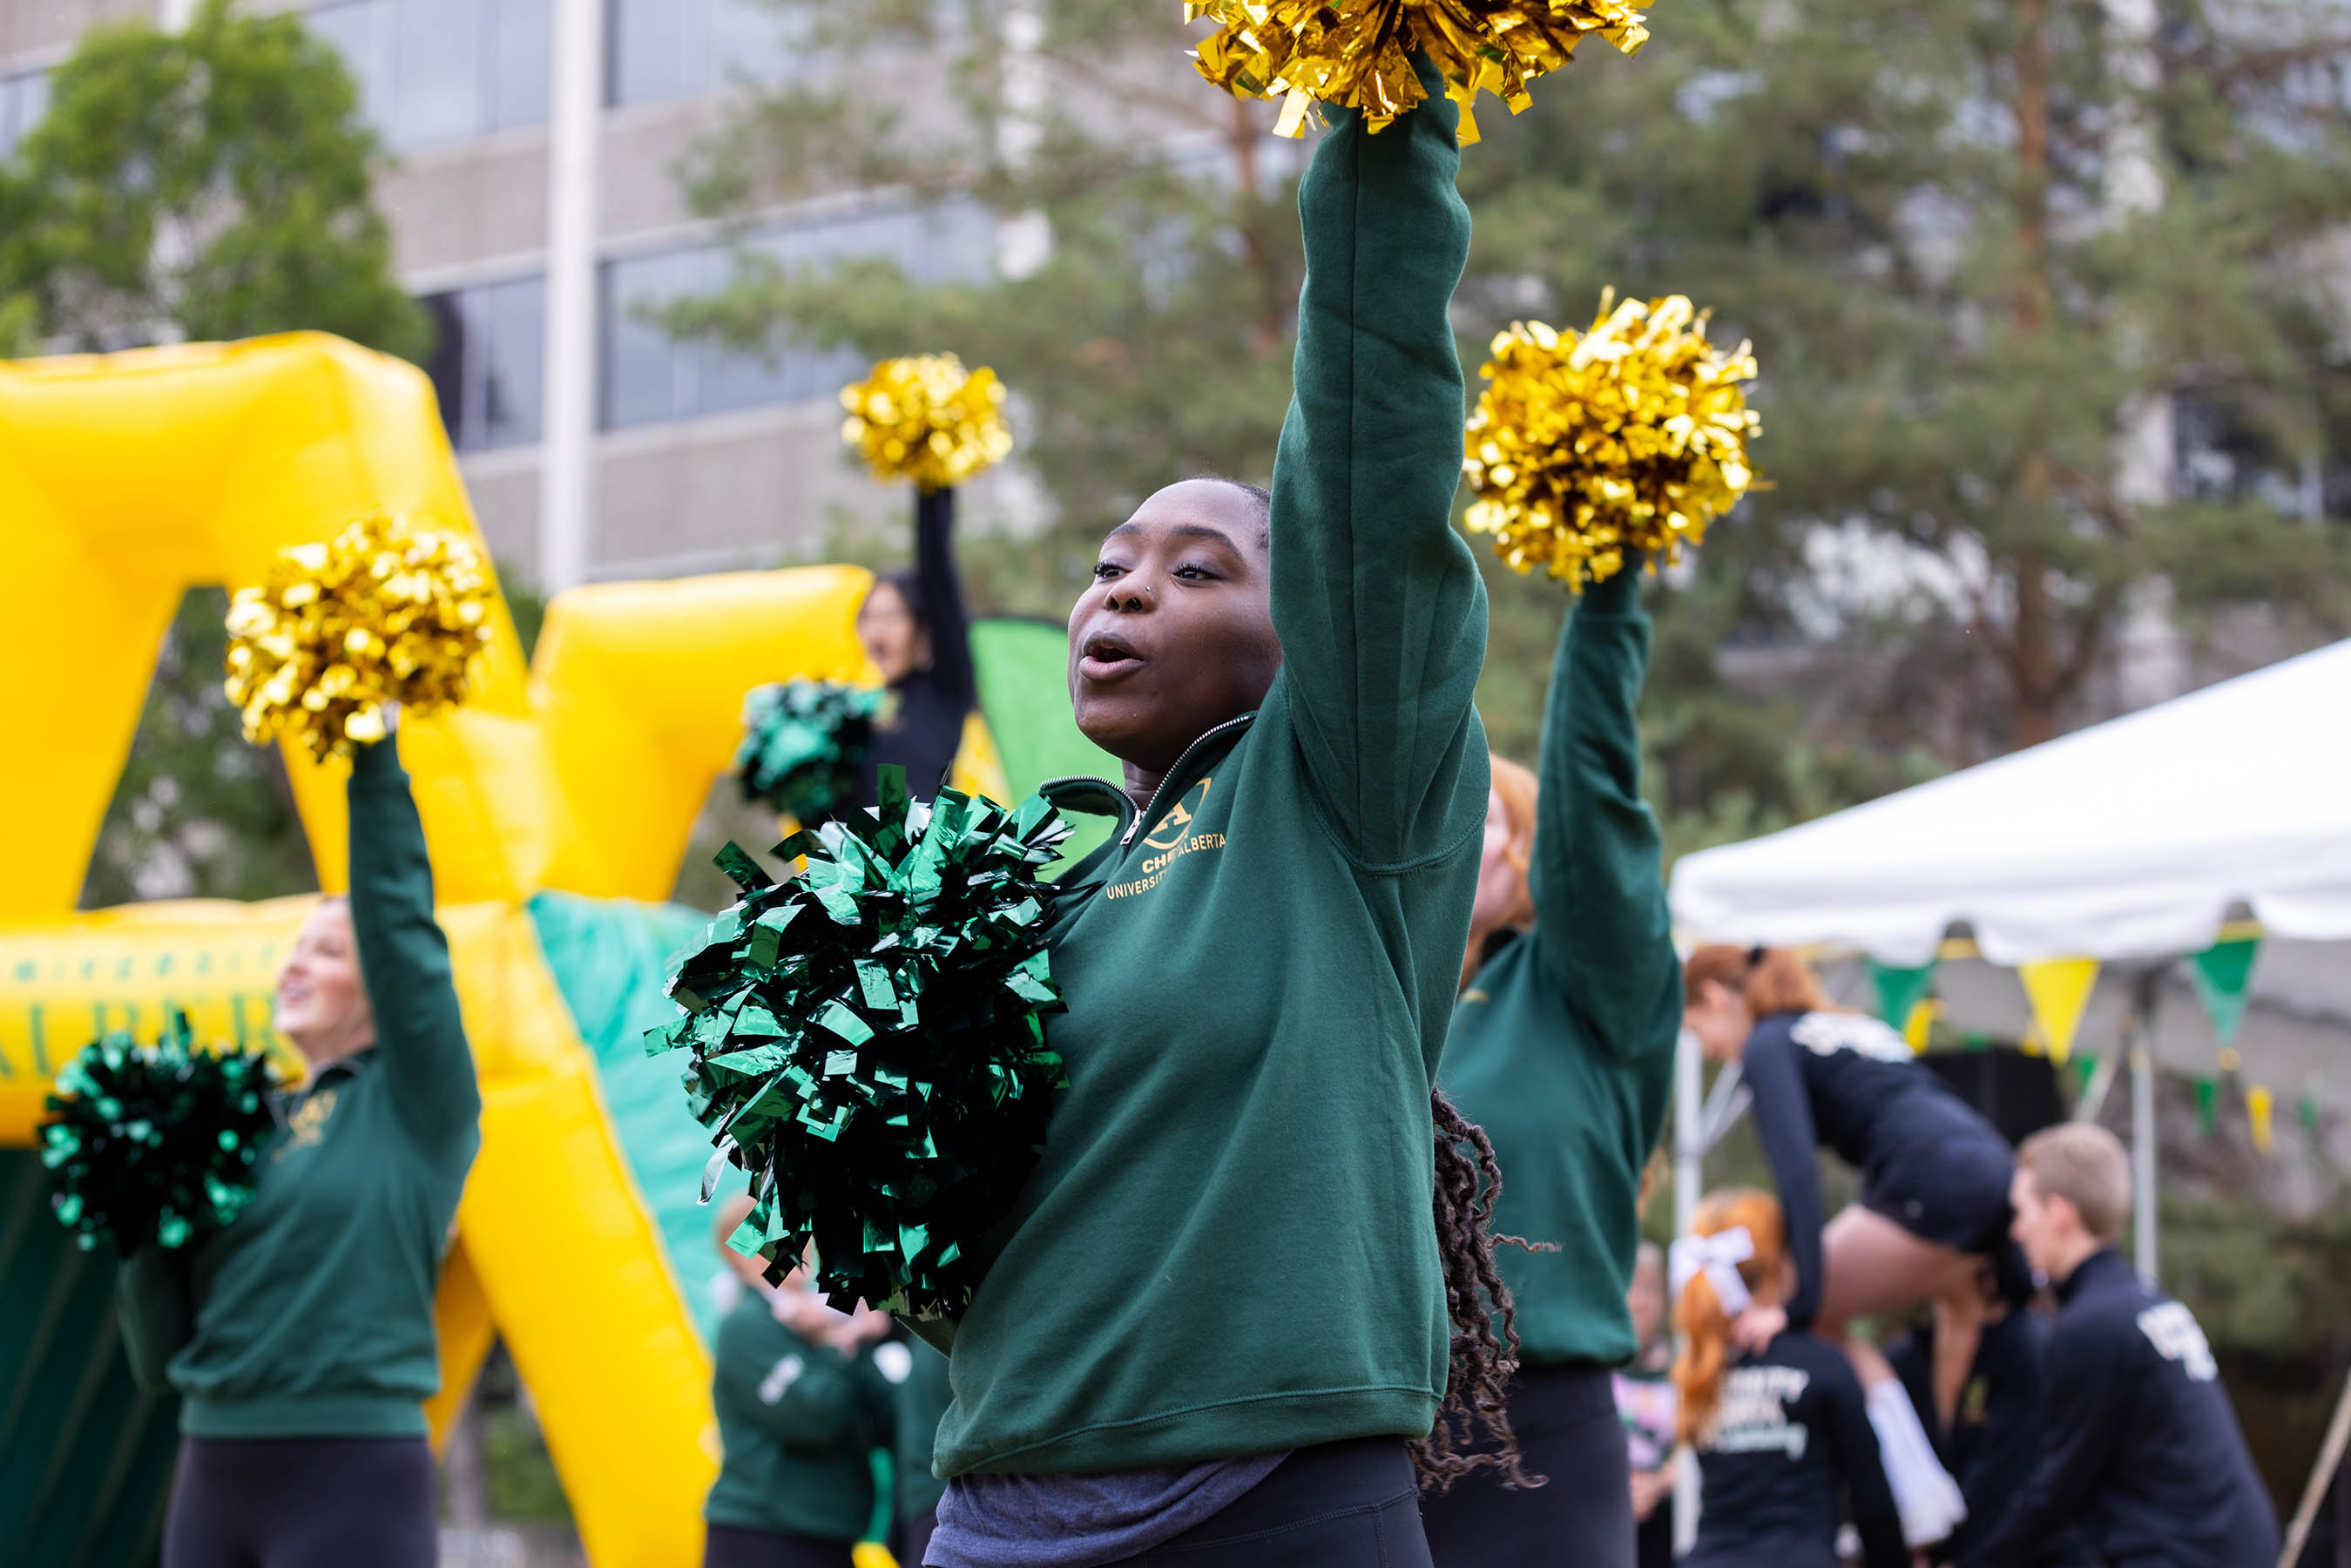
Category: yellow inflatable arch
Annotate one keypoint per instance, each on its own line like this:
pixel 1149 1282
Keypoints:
pixel 127 478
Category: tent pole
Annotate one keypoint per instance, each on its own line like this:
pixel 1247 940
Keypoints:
pixel 1689 1178
pixel 2330 1455
pixel 2146 1209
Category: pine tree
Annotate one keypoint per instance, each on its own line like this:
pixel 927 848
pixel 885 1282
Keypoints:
pixel 1981 246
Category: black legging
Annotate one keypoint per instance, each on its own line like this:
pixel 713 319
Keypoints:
pixel 728 1547
pixel 301 1502
pixel 1569 1434
pixel 1335 1505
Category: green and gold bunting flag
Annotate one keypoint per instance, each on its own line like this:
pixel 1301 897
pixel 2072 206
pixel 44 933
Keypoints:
pixel 2222 975
pixel 2058 989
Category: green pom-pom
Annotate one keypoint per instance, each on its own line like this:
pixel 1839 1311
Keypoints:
pixel 868 1042
pixel 155 1143
pixel 804 745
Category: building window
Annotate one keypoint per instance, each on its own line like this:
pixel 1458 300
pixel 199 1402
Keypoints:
pixel 487 361
pixel 23 101
pixel 435 71
pixel 678 48
pixel 648 378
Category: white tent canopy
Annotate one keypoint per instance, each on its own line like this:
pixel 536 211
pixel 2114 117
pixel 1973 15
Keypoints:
pixel 2132 839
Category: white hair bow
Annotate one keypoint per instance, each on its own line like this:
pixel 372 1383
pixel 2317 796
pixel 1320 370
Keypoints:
pixel 1718 1257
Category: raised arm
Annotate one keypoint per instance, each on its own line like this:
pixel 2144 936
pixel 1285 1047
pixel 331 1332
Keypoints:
pixel 1867 1492
pixel 1783 1118
pixel 943 607
pixel 2082 1415
pixel 420 1036
pixel 1598 876
pixel 1377 601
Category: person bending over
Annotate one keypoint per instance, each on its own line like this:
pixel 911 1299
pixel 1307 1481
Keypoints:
pixel 300 1338
pixel 804 1396
pixel 1215 1327
pixel 1934 1200
pixel 1562 1049
pixel 2140 1447
pixel 1783 1439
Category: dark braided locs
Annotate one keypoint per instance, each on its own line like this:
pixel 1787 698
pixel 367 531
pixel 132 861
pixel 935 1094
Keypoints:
pixel 1473 1430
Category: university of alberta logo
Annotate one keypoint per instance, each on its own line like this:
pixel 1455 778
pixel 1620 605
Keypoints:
pixel 1169 841
pixel 307 1125
pixel 1170 833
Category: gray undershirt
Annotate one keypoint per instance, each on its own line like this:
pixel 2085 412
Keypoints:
pixel 1083 1520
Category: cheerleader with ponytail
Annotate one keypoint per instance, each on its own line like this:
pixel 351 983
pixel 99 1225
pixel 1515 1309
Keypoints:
pixel 1783 1432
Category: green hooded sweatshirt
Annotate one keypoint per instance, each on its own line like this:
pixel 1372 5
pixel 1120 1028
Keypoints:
pixel 1227 1248
pixel 798 1422
pixel 313 1312
pixel 1563 1045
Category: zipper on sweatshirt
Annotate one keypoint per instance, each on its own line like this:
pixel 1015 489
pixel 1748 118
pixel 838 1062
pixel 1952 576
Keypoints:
pixel 1149 813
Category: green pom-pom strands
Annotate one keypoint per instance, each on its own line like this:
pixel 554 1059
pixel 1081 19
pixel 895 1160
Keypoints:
pixel 804 743
pixel 155 1145
pixel 868 1041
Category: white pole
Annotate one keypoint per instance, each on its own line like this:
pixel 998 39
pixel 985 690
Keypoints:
pixel 1689 1176
pixel 2144 1216
pixel 567 433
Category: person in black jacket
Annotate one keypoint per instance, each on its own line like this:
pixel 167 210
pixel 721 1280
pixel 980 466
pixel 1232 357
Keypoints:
pixel 915 629
pixel 1989 1434
pixel 2140 1447
pixel 1783 1433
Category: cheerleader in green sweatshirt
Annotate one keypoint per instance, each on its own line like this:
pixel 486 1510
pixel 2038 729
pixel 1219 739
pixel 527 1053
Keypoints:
pixel 300 1338
pixel 1217 1323
pixel 1563 1048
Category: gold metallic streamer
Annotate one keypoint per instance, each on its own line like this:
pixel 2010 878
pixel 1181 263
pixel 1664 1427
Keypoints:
pixel 926 419
pixel 383 612
pixel 1630 435
pixel 1358 52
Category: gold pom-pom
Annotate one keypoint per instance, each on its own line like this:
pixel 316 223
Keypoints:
pixel 925 418
pixel 1631 435
pixel 1358 52
pixel 383 612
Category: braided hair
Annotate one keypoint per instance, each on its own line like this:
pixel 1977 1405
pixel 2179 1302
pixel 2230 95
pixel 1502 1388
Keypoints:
pixel 1473 1430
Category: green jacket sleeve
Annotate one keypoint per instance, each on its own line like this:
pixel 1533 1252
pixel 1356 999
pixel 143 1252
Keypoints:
pixel 420 1036
pixel 1377 601
pixel 155 1312
pixel 1597 877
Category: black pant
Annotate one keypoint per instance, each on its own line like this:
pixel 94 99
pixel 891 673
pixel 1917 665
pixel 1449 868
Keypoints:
pixel 910 1536
pixel 1569 1434
pixel 1335 1505
pixel 728 1546
pixel 301 1502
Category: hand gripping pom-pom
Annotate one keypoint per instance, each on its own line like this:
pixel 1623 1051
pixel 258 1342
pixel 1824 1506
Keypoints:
pixel 1631 436
pixel 804 746
pixel 383 612
pixel 1358 52
pixel 926 419
pixel 868 1042
pixel 155 1146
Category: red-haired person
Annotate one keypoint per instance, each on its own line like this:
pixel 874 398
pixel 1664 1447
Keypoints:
pixel 1562 1049
pixel 1934 1198
pixel 1785 1444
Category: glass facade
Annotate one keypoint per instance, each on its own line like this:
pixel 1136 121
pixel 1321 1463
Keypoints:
pixel 488 361
pixel 436 71
pixel 648 378
pixel 677 49
pixel 23 101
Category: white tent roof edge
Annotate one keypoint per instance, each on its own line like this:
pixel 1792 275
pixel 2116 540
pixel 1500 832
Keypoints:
pixel 2133 839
